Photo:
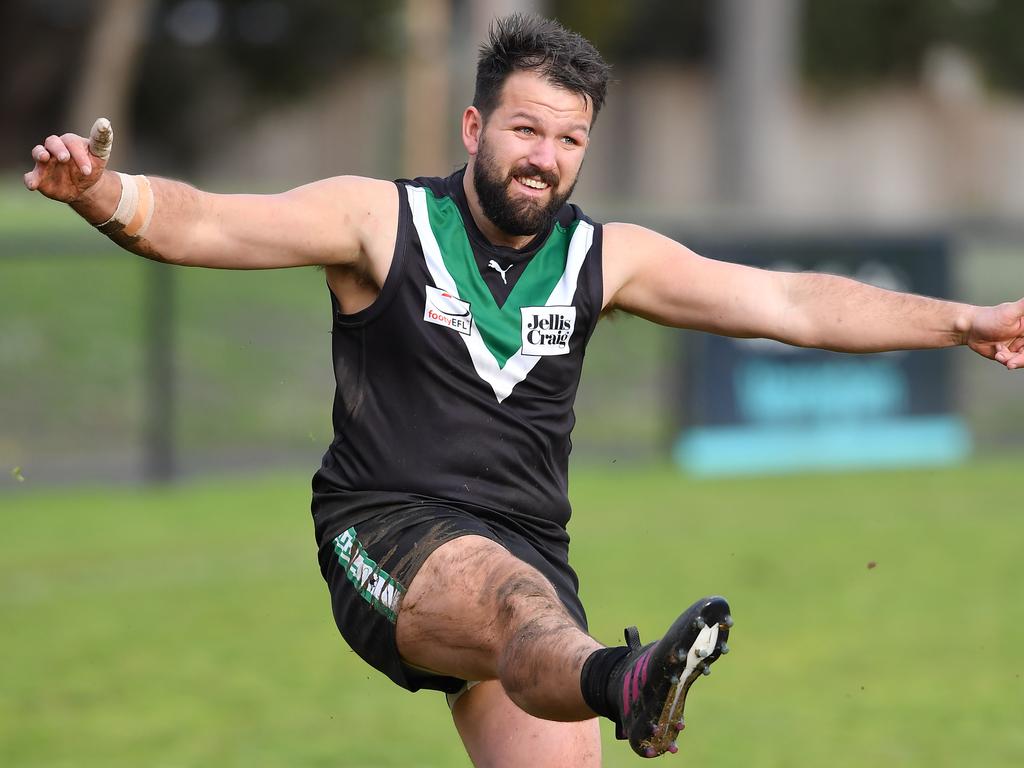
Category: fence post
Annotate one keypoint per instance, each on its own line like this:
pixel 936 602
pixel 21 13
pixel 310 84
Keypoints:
pixel 159 459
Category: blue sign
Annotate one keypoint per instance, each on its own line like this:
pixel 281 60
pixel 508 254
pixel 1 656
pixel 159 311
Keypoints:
pixel 756 405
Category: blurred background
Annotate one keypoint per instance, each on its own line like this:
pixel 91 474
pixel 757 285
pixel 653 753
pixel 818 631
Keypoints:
pixel 160 603
pixel 872 128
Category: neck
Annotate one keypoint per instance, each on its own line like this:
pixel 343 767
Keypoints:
pixel 487 227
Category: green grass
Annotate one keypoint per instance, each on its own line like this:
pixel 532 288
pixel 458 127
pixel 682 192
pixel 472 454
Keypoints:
pixel 190 627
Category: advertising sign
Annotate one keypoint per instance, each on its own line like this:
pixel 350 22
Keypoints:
pixel 756 405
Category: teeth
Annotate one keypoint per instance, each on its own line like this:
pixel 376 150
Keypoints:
pixel 533 183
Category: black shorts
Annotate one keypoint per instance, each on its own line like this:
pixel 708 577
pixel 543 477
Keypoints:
pixel 370 552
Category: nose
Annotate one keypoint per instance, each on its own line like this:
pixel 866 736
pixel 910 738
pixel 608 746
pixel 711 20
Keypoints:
pixel 542 155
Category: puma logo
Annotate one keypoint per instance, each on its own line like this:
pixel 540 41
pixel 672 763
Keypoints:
pixel 494 265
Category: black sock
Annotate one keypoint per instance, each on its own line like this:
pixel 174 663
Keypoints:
pixel 595 679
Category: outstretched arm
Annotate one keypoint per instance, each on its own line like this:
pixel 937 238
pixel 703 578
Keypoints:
pixel 652 276
pixel 329 222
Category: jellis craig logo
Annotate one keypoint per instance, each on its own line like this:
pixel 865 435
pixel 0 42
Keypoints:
pixel 547 330
pixel 444 309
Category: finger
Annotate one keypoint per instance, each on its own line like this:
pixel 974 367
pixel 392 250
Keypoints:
pixel 1012 356
pixel 56 147
pixel 101 138
pixel 1015 362
pixel 35 177
pixel 39 154
pixel 80 154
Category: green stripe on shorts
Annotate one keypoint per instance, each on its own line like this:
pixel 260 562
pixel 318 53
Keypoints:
pixel 375 586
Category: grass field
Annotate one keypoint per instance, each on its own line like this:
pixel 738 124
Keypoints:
pixel 190 627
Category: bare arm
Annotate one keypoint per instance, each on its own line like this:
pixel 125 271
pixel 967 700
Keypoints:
pixel 336 221
pixel 652 276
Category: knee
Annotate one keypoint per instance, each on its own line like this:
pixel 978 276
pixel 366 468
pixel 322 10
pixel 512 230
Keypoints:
pixel 519 595
pixel 518 658
pixel 532 620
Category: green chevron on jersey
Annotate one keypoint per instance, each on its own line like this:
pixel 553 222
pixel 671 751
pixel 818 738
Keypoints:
pixel 495 339
pixel 499 326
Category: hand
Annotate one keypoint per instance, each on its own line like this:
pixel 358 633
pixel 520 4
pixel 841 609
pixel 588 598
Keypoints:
pixel 998 333
pixel 67 166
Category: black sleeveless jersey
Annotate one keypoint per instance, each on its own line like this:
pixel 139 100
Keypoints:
pixel 457 384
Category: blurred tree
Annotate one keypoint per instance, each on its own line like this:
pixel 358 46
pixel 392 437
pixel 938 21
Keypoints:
pixel 643 30
pixel 845 43
pixel 428 25
pixel 210 65
pixel 857 43
pixel 203 65
pixel 40 44
pixel 108 68
pixel 246 54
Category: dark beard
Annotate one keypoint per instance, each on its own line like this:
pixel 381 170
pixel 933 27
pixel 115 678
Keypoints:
pixel 514 217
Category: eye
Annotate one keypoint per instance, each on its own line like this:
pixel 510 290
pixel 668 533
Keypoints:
pixel 525 130
pixel 570 141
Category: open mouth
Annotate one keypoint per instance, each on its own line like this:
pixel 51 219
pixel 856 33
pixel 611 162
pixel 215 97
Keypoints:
pixel 532 183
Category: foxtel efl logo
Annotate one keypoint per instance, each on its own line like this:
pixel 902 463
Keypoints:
pixel 547 330
pixel 449 311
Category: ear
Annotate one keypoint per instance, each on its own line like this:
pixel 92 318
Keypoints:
pixel 472 127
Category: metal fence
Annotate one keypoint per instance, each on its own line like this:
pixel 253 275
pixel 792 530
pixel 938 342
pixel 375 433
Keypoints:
pixel 116 369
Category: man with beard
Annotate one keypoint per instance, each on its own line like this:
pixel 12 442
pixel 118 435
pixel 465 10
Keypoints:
pixel 461 309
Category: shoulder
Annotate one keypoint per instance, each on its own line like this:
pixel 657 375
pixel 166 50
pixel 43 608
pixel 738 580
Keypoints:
pixel 353 205
pixel 620 235
pixel 348 192
pixel 625 247
pixel 439 187
pixel 357 215
pixel 368 208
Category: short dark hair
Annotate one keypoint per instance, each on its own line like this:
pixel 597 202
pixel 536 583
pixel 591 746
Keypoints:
pixel 524 42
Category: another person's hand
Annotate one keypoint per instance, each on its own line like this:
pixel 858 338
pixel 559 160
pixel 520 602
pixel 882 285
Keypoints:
pixel 67 166
pixel 998 333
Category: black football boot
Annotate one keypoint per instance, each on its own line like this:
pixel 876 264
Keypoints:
pixel 651 687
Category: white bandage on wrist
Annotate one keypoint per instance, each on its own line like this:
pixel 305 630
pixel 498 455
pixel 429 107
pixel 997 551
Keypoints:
pixel 134 210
